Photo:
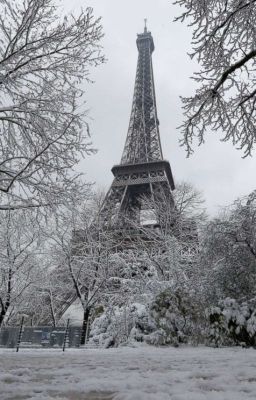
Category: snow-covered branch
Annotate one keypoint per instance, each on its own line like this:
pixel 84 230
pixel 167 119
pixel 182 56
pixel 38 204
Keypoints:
pixel 224 44
pixel 43 60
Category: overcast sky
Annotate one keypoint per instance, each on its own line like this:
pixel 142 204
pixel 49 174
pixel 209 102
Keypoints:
pixel 216 168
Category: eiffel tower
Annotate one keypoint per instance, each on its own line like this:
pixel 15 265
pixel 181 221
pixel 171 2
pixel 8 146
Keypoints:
pixel 142 171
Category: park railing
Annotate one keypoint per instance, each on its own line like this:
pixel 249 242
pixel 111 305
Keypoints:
pixel 40 336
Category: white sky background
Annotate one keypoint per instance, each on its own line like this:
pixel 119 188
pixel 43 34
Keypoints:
pixel 216 168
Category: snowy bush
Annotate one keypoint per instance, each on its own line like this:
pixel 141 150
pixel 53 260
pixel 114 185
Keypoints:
pixel 169 319
pixel 232 323
pixel 142 323
pixel 174 315
pixel 118 325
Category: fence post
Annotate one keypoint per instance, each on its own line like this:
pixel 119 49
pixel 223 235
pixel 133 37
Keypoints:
pixel 65 336
pixel 20 334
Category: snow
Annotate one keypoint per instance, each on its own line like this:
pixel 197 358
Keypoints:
pixel 140 373
pixel 75 313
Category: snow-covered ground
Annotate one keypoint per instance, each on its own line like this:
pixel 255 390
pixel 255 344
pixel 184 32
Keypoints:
pixel 129 373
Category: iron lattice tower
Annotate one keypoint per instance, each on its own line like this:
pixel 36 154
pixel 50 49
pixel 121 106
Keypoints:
pixel 142 170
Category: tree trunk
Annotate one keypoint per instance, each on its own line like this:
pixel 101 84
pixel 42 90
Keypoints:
pixel 52 312
pixel 3 312
pixel 2 315
pixel 84 326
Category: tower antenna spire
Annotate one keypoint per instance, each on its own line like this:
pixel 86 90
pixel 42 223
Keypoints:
pixel 145 27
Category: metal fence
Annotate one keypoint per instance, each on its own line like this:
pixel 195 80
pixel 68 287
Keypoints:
pixel 40 336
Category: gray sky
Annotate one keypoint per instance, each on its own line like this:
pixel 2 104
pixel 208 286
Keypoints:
pixel 216 168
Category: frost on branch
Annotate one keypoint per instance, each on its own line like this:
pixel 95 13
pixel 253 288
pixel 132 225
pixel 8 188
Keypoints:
pixel 223 42
pixel 43 60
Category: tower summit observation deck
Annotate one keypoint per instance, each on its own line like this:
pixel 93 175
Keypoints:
pixel 142 171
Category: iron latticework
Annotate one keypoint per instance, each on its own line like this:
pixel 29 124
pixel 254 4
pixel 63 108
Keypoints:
pixel 142 170
pixel 143 140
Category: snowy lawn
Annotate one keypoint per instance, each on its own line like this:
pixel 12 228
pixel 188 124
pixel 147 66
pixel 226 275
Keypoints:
pixel 129 373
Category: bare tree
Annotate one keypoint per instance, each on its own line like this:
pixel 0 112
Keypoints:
pixel 81 260
pixel 43 298
pixel 223 42
pixel 19 241
pixel 229 251
pixel 43 60
pixel 189 202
